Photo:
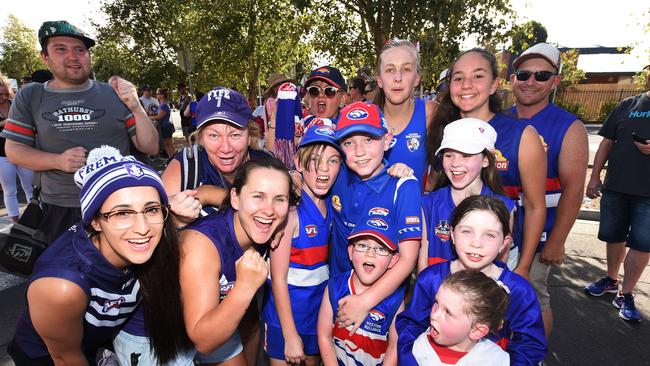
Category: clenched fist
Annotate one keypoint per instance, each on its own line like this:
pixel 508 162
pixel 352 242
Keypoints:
pixel 126 92
pixel 251 270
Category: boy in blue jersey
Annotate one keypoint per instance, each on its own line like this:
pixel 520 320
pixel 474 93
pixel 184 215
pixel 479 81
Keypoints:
pixel 364 187
pixel 373 251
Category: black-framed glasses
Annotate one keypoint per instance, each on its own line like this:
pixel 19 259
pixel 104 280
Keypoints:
pixel 124 219
pixel 315 91
pixel 523 75
pixel 364 248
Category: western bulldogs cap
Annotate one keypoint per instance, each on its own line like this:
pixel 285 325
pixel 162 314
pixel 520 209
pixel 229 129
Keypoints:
pixel 61 28
pixel 469 136
pixel 330 75
pixel 107 171
pixel 320 134
pixel 544 50
pixel 361 117
pixel 376 224
pixel 223 104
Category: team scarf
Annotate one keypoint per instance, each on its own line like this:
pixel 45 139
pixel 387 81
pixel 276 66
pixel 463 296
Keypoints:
pixel 287 116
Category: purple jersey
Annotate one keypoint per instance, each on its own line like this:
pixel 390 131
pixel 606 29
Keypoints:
pixel 409 147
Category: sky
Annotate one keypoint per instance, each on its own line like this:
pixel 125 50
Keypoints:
pixel 570 23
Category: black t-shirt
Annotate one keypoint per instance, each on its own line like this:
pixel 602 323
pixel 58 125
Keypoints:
pixel 628 170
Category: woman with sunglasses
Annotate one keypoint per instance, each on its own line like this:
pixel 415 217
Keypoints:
pixel 91 279
pixel 520 156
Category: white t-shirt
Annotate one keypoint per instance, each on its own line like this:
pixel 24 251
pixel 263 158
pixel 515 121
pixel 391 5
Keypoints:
pixel 150 104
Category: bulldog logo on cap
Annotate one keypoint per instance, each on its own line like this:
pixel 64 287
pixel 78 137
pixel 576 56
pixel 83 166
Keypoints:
pixel 357 114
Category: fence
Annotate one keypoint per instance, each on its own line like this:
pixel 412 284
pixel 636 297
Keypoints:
pixel 590 102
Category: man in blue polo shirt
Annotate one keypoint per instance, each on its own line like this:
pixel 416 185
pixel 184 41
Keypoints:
pixel 363 185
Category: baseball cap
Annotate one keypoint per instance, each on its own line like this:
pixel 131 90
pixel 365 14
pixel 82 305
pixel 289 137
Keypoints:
pixel 319 134
pixel 377 225
pixel 544 50
pixel 361 117
pixel 145 87
pixel 61 28
pixel 225 105
pixel 469 136
pixel 329 74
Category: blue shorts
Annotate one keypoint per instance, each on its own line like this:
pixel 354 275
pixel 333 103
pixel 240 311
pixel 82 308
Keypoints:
pixel 625 218
pixel 167 130
pixel 228 350
pixel 130 348
pixel 274 342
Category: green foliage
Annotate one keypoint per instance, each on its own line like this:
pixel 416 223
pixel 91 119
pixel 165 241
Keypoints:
pixel 526 35
pixel 606 108
pixel 18 53
pixel 571 74
pixel 641 79
pixel 574 107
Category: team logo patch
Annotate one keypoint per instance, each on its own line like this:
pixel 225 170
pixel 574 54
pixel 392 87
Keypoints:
pixel 311 230
pixel 357 114
pixel 134 170
pixel 412 220
pixel 544 144
pixel 324 131
pixel 112 304
pixel 225 286
pixel 377 316
pixel 500 161
pixel 443 230
pixel 413 141
pixel 378 224
pixel 287 87
pixel 323 70
pixel 378 211
pixel 336 203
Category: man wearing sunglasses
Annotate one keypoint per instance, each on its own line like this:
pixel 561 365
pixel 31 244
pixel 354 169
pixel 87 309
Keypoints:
pixel 565 140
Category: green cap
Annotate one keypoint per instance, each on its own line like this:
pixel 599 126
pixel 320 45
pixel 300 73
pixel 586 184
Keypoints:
pixel 61 28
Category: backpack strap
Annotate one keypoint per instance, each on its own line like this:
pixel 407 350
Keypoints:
pixel 35 100
pixel 190 167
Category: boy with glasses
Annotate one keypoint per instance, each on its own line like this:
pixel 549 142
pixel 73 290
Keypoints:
pixel 565 140
pixel 372 249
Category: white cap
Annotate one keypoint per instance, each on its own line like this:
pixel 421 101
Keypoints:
pixel 544 50
pixel 469 136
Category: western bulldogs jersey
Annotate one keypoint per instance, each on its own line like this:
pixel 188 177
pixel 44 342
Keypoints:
pixel 113 294
pixel 437 207
pixel 484 353
pixel 522 335
pixel 367 346
pixel 409 147
pixel 219 228
pixel 352 199
pixel 551 123
pixel 308 270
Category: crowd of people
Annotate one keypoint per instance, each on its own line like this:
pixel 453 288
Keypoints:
pixel 351 226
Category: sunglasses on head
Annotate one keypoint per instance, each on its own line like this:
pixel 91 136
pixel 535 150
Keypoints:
pixel 523 75
pixel 329 91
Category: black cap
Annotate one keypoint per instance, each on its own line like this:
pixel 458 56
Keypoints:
pixel 61 28
pixel 330 75
pixel 145 87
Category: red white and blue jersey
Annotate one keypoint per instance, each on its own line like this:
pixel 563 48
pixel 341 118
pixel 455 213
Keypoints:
pixel 509 132
pixel 220 229
pixel 367 346
pixel 112 293
pixel 438 206
pixel 484 353
pixel 352 199
pixel 409 147
pixel 522 335
pixel 308 270
pixel 552 124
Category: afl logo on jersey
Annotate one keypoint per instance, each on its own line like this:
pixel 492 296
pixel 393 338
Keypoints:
pixel 336 203
pixel 378 224
pixel 378 211
pixel 500 161
pixel 311 230
pixel 377 316
pixel 357 114
pixel 443 230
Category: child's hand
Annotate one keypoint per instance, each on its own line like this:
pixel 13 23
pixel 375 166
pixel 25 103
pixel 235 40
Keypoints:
pixel 351 312
pixel 400 170
pixel 293 349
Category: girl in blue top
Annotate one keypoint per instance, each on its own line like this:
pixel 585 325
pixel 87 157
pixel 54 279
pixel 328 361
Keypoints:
pixel 469 169
pixel 299 270
pixel 480 231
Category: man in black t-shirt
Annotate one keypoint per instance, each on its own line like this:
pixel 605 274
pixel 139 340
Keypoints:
pixel 625 205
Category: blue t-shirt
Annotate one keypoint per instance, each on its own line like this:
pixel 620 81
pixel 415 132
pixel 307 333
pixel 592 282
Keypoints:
pixel 166 119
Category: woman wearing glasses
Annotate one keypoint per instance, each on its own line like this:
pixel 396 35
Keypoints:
pixel 91 279
pixel 519 154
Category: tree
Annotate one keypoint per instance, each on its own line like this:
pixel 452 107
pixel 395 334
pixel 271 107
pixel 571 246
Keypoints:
pixel 525 35
pixel 571 74
pixel 18 53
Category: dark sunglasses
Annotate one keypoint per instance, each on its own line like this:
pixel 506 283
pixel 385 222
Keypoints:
pixel 329 91
pixel 539 75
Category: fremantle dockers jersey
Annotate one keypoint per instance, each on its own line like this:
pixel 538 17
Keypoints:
pixel 409 146
pixel 367 346
pixel 219 228
pixel 112 293
pixel 308 270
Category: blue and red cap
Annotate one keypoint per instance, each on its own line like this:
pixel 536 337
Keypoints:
pixel 361 117
pixel 376 224
pixel 223 104
pixel 320 135
pixel 330 75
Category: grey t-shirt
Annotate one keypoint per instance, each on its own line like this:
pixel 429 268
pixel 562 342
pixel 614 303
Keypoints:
pixel 88 117
pixel 628 170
